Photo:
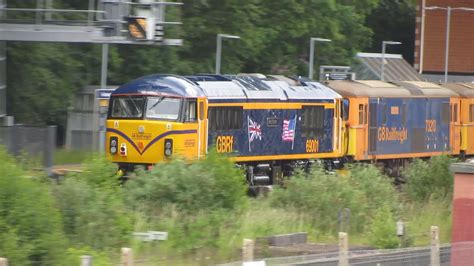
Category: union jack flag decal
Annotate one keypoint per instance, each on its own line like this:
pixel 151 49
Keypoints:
pixel 254 131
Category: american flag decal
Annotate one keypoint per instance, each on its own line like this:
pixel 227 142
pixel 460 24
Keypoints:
pixel 289 127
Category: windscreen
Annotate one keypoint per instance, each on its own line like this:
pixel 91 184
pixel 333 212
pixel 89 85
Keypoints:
pixel 127 107
pixel 163 108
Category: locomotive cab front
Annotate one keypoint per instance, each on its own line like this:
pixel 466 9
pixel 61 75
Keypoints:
pixel 145 127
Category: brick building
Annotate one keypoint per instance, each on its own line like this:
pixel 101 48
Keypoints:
pixel 430 42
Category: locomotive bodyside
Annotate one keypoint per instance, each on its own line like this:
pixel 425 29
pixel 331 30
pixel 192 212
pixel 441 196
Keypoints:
pixel 269 119
pixel 267 125
pixel 399 120
pixel 466 117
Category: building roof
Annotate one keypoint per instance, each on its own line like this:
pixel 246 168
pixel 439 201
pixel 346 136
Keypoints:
pixel 396 68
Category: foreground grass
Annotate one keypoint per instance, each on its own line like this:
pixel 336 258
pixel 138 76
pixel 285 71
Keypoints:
pixel 419 217
pixel 204 209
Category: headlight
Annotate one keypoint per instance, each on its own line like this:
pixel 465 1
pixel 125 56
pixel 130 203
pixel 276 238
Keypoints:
pixel 168 147
pixel 123 149
pixel 113 145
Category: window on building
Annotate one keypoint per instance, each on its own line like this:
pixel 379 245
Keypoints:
pixel 225 118
pixel 312 121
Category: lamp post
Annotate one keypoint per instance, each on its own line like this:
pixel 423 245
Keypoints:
pixel 448 28
pixel 219 49
pixel 311 54
pixel 382 64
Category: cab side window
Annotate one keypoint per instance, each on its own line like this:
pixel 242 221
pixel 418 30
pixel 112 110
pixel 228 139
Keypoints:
pixel 345 109
pixel 471 113
pixel 190 111
pixel 362 119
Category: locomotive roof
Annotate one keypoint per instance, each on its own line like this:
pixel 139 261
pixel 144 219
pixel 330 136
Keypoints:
pixel 377 88
pixel 260 87
pixel 230 87
pixel 161 84
pixel 463 89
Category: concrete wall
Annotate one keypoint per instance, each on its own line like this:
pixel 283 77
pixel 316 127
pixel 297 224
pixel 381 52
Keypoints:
pixel 462 237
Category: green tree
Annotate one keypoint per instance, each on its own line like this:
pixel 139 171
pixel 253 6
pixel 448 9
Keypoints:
pixel 394 20
pixel 30 224
pixel 43 78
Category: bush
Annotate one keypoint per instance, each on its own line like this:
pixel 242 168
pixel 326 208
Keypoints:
pixel 213 183
pixel 189 200
pixel 429 179
pixel 383 231
pixel 30 225
pixel 363 190
pixel 99 173
pixel 92 207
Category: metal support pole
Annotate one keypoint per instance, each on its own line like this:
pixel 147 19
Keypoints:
pixel 311 54
pixel 49 148
pixel 446 53
pixel 219 49
pixel 103 70
pixel 422 35
pixel 103 85
pixel 3 79
pixel 90 15
pixel 39 14
pixel 382 63
pixel 3 67
pixel 218 54
pixel 311 58
pixel 49 5
pixel 3 4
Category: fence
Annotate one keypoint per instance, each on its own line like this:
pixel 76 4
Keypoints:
pixel 37 142
pixel 434 255
pixel 395 257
